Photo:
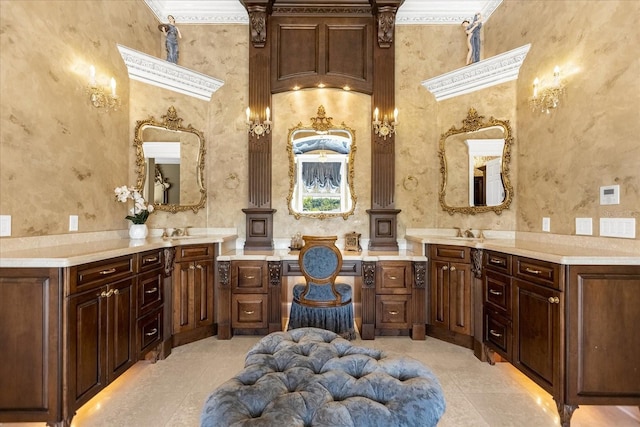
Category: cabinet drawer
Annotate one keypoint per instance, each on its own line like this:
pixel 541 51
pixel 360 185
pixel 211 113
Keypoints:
pixel 350 267
pixel 497 261
pixel 149 292
pixel 393 312
pixel 249 311
pixel 497 333
pixel 497 292
pixel 149 330
pixel 393 277
pixel 194 252
pixel 249 277
pixel 97 273
pixel 450 253
pixel 542 272
pixel 150 260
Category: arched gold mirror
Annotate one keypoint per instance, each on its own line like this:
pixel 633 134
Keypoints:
pixel 474 164
pixel 170 163
pixel 321 172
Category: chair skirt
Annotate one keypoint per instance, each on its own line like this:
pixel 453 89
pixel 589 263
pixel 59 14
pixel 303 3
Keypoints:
pixel 336 319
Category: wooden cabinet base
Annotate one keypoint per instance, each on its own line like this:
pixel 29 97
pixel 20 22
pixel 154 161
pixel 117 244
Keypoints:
pixel 192 335
pixel 450 336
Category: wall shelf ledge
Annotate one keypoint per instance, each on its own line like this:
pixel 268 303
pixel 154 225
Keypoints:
pixel 483 74
pixel 158 72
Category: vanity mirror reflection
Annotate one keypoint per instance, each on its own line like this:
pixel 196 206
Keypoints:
pixel 170 163
pixel 474 166
pixel 321 169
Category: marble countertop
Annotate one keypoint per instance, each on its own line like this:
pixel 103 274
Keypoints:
pixel 67 253
pixel 289 255
pixel 568 251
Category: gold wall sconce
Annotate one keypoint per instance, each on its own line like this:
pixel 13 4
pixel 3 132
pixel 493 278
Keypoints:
pixel 102 97
pixel 256 127
pixel 547 95
pixel 384 128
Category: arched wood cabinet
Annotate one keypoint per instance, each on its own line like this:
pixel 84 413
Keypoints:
pixel 298 43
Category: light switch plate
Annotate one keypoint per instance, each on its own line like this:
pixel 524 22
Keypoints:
pixel 5 225
pixel 73 222
pixel 584 226
pixel 618 227
pixel 546 224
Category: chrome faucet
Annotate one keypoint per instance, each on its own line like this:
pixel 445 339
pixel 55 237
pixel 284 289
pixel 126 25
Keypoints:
pixel 177 232
pixel 459 234
pixel 468 233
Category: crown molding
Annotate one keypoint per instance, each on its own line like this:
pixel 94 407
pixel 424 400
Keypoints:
pixel 444 12
pixel 158 72
pixel 480 75
pixel 200 12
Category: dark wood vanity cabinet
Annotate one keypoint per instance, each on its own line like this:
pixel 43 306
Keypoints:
pixel 249 295
pixel 150 302
pixel 450 294
pixel 101 326
pixel 30 333
pixel 193 298
pixel 393 295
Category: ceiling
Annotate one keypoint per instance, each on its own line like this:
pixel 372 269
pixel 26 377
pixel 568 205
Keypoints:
pixel 444 12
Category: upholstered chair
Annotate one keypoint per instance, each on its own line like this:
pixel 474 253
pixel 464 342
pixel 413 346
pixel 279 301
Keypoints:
pixel 321 302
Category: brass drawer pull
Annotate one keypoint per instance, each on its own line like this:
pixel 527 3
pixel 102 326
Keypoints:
pixel 192 267
pixel 152 332
pixel 453 268
pixel 248 312
pixel 151 291
pixel 532 271
pixel 249 277
pixel 392 277
pixel 199 267
pixel 152 259
pixel 497 261
pixel 393 313
pixel 495 334
pixel 445 267
pixel 494 292
pixel 109 271
pixel 554 300
pixel 116 291
pixel 105 294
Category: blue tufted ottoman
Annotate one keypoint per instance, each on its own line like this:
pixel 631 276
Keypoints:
pixel 313 377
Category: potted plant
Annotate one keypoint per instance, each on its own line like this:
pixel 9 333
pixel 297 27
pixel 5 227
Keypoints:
pixel 138 214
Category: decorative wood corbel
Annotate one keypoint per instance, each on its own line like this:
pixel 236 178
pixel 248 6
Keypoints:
pixel 258 24
pixel 386 18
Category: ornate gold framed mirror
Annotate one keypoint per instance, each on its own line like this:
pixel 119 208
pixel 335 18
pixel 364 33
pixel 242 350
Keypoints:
pixel 474 166
pixel 321 169
pixel 170 163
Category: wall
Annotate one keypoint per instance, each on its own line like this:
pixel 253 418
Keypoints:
pixel 59 155
pixel 592 138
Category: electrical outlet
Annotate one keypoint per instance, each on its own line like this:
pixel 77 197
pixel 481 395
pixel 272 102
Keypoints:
pixel 73 222
pixel 618 227
pixel 546 224
pixel 5 225
pixel 584 226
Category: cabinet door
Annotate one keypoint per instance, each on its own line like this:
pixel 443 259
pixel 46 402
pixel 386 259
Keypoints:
pixel 121 327
pixel 460 298
pixel 439 300
pixel 183 297
pixel 537 333
pixel 203 293
pixel 87 345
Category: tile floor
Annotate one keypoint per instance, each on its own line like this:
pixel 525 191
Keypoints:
pixel 171 392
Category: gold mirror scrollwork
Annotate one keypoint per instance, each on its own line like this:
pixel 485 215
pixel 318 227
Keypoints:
pixel 323 148
pixel 193 194
pixel 474 124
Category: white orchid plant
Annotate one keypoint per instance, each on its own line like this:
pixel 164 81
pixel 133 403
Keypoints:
pixel 140 211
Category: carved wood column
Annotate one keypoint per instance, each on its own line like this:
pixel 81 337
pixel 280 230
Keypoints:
pixel 383 215
pixel 259 214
